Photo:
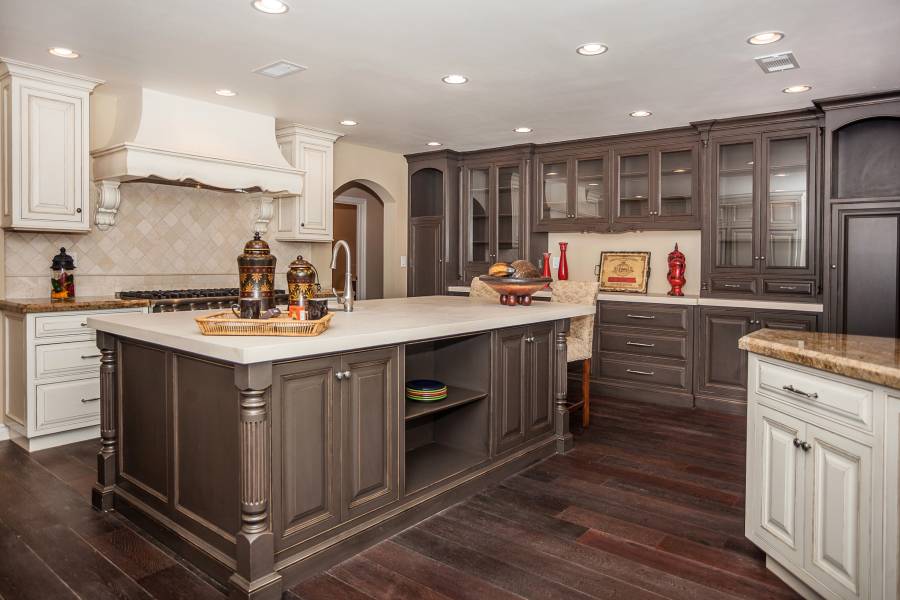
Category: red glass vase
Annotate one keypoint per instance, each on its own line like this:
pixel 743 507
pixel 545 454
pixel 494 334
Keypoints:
pixel 563 273
pixel 546 268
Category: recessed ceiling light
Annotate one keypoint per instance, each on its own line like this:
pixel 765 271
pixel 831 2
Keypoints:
pixel 63 52
pixel 454 79
pixel 226 92
pixel 765 37
pixel 272 7
pixel 349 122
pixel 797 89
pixel 434 144
pixel 641 113
pixel 523 130
pixel 591 49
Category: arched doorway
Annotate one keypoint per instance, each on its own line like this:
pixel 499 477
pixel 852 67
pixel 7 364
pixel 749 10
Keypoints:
pixel 359 220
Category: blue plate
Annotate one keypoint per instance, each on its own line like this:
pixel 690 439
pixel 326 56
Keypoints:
pixel 425 385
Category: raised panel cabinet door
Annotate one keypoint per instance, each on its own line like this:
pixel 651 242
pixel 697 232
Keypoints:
pixel 839 505
pixel 634 188
pixel 732 221
pixel 425 262
pixel 510 205
pixel 722 365
pixel 479 219
pixel 778 470
pixel 541 355
pixel 316 201
pixel 510 388
pixel 678 191
pixel 370 398
pixel 306 480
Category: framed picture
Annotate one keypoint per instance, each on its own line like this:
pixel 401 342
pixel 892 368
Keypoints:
pixel 624 272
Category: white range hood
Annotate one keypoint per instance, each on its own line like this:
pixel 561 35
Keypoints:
pixel 138 134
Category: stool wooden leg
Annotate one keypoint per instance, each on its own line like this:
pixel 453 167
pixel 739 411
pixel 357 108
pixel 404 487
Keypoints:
pixel 586 392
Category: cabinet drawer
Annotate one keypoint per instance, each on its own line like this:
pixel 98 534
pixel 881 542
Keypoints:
pixel 644 315
pixel 642 343
pixel 838 400
pixel 734 286
pixel 56 325
pixel 60 405
pixel 62 359
pixel 793 288
pixel 640 371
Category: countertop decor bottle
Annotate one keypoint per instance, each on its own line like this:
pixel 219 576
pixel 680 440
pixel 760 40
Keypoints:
pixel 256 272
pixel 302 279
pixel 545 270
pixel 677 266
pixel 563 272
pixel 62 278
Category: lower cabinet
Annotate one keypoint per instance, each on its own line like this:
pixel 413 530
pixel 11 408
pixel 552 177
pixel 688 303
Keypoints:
pixel 812 504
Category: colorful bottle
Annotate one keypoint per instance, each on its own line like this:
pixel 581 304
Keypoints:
pixel 563 273
pixel 62 278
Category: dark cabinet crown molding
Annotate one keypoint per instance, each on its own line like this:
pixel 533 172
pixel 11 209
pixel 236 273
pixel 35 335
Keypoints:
pixel 853 100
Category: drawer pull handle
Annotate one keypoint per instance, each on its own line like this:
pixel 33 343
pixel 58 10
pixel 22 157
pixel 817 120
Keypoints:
pixel 639 372
pixel 787 287
pixel 793 390
pixel 630 316
pixel 731 285
pixel 87 356
pixel 84 324
pixel 642 345
pixel 86 400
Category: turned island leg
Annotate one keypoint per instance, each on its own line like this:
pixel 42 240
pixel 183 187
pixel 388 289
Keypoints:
pixel 102 493
pixel 255 577
pixel 564 440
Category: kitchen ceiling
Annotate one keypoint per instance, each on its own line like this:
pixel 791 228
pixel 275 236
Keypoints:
pixel 381 63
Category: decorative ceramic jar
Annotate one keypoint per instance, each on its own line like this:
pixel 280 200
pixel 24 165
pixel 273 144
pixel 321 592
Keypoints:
pixel 303 280
pixel 677 266
pixel 62 279
pixel 256 271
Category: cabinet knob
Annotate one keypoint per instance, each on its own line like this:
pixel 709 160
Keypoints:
pixel 805 446
pixel 834 266
pixel 755 258
pixel 302 224
pixel 347 374
pixel 339 375
pixel 78 210
pixel 762 258
pixel 796 443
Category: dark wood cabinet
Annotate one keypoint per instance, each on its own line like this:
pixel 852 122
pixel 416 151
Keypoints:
pixel 540 385
pixel 426 273
pixel 572 190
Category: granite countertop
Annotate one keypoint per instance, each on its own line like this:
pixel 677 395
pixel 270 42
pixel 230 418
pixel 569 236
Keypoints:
pixel 41 305
pixel 872 359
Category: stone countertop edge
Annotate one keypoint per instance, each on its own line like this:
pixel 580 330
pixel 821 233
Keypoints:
pixel 871 359
pixel 374 323
pixel 46 305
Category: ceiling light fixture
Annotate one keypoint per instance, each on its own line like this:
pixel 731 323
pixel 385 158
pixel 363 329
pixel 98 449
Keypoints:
pixel 797 89
pixel 434 144
pixel 591 49
pixel 455 79
pixel 523 130
pixel 640 113
pixel 349 122
pixel 765 37
pixel 270 7
pixel 226 92
pixel 63 52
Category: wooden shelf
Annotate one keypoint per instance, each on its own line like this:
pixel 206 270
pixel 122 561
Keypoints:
pixel 456 396
pixel 434 462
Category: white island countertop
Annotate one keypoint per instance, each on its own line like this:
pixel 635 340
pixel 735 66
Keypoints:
pixel 372 323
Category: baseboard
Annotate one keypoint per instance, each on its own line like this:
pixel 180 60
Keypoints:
pixel 639 394
pixel 722 405
pixel 51 440
pixel 791 580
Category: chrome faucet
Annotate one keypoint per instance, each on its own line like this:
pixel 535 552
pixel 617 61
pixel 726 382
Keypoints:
pixel 347 299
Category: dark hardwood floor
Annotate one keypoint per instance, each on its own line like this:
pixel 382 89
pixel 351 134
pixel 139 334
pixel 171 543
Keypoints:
pixel 648 505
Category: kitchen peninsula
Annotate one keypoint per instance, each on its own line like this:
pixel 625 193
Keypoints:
pixel 264 459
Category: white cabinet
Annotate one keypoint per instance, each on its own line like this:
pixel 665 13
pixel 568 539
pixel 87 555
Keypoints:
pixel 308 217
pixel 818 501
pixel 51 377
pixel 44 160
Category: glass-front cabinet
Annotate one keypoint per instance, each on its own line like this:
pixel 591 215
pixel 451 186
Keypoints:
pixel 572 191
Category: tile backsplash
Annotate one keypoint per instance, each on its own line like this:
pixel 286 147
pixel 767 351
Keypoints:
pixel 164 237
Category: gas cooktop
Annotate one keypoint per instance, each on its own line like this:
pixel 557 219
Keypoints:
pixel 191 299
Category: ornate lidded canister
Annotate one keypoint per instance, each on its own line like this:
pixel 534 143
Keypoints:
pixel 303 280
pixel 256 270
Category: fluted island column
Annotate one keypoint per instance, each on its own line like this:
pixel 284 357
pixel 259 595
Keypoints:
pixel 564 440
pixel 102 494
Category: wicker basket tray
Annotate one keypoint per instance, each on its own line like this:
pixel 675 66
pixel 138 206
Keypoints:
pixel 225 323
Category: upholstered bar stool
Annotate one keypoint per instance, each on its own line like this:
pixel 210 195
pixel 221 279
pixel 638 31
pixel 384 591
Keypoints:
pixel 580 341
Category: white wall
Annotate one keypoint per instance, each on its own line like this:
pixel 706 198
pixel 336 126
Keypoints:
pixel 583 254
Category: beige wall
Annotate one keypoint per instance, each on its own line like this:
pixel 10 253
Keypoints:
pixel 584 249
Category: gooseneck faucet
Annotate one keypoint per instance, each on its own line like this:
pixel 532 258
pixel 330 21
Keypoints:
pixel 347 299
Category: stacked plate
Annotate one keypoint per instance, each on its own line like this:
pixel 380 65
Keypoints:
pixel 425 390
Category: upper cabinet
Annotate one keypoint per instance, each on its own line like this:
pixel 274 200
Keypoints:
pixel 573 190
pixel 44 155
pixel 307 217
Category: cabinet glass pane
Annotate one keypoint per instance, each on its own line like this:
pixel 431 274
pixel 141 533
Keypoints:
pixel 676 183
pixel 479 211
pixel 734 206
pixel 590 199
pixel 634 186
pixel 509 202
pixel 556 191
pixel 787 204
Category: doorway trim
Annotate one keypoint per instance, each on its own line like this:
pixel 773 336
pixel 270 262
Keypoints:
pixel 360 205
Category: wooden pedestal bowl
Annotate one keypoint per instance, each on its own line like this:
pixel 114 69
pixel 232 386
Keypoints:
pixel 516 291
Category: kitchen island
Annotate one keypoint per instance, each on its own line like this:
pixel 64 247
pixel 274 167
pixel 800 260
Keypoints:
pixel 265 459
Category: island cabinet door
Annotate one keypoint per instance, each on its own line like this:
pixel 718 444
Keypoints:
pixel 540 378
pixel 510 388
pixel 370 401
pixel 306 480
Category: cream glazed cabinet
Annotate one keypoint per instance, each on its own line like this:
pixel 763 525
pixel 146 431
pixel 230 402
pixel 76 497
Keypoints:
pixel 307 217
pixel 44 159
pixel 51 378
pixel 822 480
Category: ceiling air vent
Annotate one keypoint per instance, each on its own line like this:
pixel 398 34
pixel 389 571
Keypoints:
pixel 775 63
pixel 281 68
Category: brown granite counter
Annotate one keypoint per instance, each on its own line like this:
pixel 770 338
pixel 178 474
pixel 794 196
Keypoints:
pixel 40 305
pixel 872 359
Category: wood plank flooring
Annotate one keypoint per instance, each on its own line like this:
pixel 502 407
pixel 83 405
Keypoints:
pixel 649 505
